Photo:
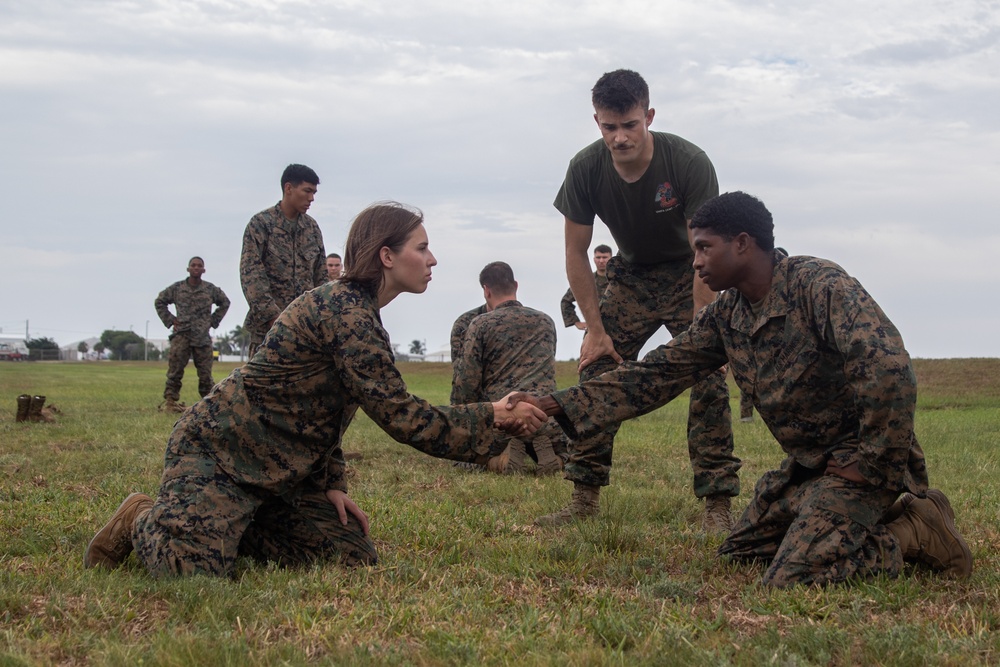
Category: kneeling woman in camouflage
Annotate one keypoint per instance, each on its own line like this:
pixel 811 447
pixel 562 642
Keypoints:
pixel 256 468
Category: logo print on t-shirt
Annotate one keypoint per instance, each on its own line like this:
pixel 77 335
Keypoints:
pixel 665 196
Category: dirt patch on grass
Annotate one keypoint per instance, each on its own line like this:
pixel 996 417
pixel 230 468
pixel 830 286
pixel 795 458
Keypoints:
pixel 958 377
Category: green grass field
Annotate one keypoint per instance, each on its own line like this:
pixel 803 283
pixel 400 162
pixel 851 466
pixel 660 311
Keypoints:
pixel 464 578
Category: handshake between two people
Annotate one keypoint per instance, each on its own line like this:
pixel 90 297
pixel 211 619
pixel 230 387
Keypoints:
pixel 520 413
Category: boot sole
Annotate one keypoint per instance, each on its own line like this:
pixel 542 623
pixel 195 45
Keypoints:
pixel 87 563
pixel 944 506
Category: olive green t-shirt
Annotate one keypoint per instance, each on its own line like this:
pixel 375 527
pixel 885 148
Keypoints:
pixel 648 218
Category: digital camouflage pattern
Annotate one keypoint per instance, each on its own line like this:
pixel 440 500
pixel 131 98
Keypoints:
pixel 746 406
pixel 511 348
pixel 815 529
pixel 568 303
pixel 829 375
pixel 177 357
pixel 638 301
pixel 190 338
pixel 459 328
pixel 281 259
pixel 194 310
pixel 246 466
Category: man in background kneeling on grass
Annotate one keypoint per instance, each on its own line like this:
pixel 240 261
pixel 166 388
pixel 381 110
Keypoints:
pixel 829 375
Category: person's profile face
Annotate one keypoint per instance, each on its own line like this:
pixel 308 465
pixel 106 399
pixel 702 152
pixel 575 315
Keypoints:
pixel 411 266
pixel 299 197
pixel 715 260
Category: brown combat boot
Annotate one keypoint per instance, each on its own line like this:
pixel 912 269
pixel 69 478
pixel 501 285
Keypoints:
pixel 113 543
pixel 49 413
pixel 171 405
pixel 586 503
pixel 927 534
pixel 898 508
pixel 717 518
pixel 549 462
pixel 23 407
pixel 35 408
pixel 510 461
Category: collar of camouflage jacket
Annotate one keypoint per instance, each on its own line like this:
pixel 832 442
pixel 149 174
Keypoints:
pixel 776 303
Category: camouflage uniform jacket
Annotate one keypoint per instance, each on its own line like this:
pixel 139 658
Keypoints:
pixel 459 328
pixel 276 421
pixel 510 348
pixel 194 310
pixel 281 259
pixel 568 302
pixel 826 368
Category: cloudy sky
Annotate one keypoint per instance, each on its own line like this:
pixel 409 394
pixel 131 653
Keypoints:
pixel 135 134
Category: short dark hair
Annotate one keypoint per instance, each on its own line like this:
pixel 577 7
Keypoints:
pixel 732 213
pixel 603 248
pixel 333 254
pixel 620 91
pixel 298 173
pixel 384 224
pixel 194 258
pixel 498 276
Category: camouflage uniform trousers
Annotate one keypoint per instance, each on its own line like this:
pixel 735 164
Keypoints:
pixel 203 519
pixel 815 528
pixel 181 350
pixel 637 302
pixel 746 405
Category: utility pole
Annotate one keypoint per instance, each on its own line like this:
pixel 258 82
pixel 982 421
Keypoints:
pixel 145 342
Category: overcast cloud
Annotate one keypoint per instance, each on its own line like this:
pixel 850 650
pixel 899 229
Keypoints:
pixel 136 134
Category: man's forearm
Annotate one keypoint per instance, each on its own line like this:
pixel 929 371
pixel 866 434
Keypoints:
pixel 549 406
pixel 581 281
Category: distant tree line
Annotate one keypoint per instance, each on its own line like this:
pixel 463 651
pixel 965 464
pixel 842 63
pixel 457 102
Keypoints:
pixel 128 345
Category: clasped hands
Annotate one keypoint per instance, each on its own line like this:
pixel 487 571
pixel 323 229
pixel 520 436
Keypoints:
pixel 518 413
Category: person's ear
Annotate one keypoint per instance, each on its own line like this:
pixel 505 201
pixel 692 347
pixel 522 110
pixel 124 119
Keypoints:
pixel 743 242
pixel 385 254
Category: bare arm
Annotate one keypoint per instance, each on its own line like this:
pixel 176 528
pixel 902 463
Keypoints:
pixel 596 343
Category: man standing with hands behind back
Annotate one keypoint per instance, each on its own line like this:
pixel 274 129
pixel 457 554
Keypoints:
pixel 283 254
pixel 645 186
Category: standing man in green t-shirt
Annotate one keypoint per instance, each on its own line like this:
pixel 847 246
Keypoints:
pixel 645 186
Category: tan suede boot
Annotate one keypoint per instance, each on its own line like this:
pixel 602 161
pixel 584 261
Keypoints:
pixel 510 461
pixel 549 462
pixel 717 520
pixel 170 405
pixel 35 408
pixel 897 509
pixel 586 503
pixel 49 413
pixel 23 407
pixel 927 534
pixel 113 543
